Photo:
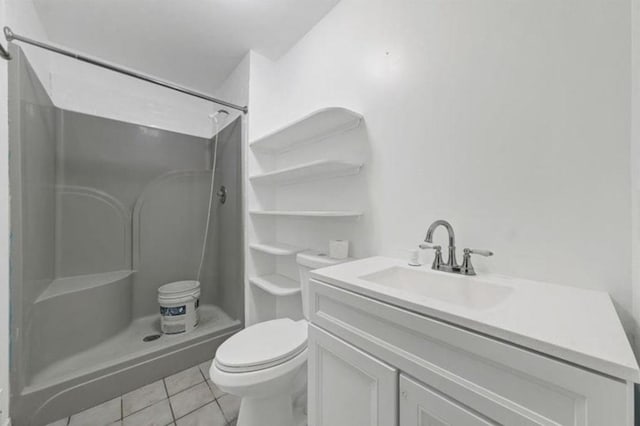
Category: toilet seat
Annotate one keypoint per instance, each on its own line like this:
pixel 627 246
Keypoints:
pixel 262 346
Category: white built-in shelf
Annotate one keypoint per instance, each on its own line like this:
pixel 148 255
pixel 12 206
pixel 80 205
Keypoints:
pixel 309 213
pixel 276 249
pixel 316 126
pixel 320 169
pixel 275 284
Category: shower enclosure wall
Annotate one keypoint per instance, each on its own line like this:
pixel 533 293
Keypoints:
pixel 103 213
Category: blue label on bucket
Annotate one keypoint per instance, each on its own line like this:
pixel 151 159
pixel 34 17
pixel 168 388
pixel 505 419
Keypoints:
pixel 174 311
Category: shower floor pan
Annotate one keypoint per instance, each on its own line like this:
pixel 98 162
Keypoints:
pixel 119 364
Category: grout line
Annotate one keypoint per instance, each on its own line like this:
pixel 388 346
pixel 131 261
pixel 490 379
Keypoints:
pixel 193 411
pixel 190 387
pixel 143 408
pixel 185 389
pixel 222 411
pixel 166 389
pixel 150 405
pixel 214 395
pixel 206 380
pixel 214 398
pixel 173 415
pixel 168 398
pixel 214 392
pixel 200 370
pixel 146 406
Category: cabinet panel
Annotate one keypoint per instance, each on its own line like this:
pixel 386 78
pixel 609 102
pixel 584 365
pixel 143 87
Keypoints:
pixel 348 387
pixel 424 406
pixel 505 383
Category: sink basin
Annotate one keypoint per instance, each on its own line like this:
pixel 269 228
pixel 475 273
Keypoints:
pixel 468 292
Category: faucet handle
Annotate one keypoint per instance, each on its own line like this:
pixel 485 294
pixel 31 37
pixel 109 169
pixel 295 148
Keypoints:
pixel 426 246
pixel 467 267
pixel 437 260
pixel 481 252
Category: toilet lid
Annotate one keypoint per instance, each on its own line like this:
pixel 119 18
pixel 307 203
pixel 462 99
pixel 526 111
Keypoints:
pixel 262 345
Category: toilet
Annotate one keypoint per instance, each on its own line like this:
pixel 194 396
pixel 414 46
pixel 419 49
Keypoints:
pixel 266 363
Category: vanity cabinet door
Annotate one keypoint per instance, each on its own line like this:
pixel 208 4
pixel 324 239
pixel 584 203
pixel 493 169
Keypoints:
pixel 348 387
pixel 421 405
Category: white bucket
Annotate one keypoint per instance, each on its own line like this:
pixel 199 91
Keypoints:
pixel 179 303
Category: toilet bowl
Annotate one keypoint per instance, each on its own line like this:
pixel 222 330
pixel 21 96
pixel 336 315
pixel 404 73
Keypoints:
pixel 266 363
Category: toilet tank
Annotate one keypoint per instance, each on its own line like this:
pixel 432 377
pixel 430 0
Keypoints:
pixel 308 261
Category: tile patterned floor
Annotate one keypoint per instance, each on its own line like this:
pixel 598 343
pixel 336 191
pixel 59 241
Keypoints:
pixel 187 398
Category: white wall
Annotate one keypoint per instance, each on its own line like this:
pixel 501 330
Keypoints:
pixel 235 88
pixel 509 119
pixel 23 19
pixel 192 42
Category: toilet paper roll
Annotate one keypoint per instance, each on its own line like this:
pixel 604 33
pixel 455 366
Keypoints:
pixel 339 249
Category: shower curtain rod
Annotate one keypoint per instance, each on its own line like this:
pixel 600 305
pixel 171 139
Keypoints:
pixel 11 37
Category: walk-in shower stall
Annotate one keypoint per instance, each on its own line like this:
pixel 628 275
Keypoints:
pixel 103 213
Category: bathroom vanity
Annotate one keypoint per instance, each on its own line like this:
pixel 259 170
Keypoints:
pixel 391 344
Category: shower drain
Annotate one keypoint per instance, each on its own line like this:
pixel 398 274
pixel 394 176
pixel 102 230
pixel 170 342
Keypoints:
pixel 151 338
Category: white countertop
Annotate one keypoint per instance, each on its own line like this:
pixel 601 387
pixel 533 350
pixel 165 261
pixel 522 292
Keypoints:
pixel 576 325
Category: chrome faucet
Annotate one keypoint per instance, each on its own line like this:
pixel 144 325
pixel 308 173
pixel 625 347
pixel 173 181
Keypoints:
pixel 438 264
pixel 452 264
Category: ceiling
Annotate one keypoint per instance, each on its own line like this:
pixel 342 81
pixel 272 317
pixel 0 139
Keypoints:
pixel 196 43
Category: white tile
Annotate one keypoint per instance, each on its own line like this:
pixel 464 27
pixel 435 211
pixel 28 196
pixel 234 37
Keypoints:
pixel 209 415
pixel 191 399
pixel 100 415
pixel 158 414
pixel 183 380
pixel 204 367
pixel 217 392
pixel 61 422
pixel 230 405
pixel 143 397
